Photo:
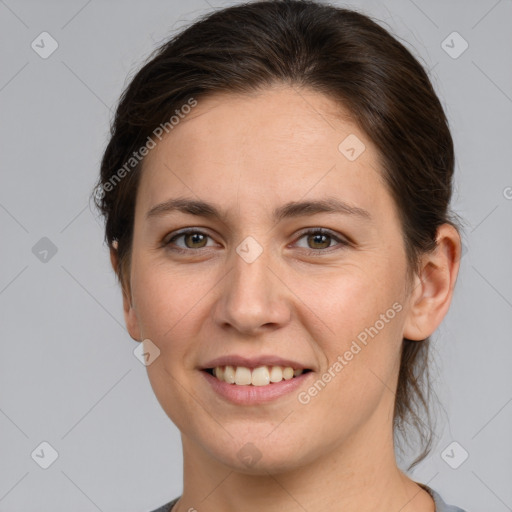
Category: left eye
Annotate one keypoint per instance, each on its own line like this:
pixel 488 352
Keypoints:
pixel 319 239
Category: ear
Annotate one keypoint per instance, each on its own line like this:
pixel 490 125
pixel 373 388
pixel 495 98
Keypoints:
pixel 433 286
pixel 130 316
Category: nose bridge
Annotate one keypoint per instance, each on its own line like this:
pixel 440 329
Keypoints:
pixel 252 295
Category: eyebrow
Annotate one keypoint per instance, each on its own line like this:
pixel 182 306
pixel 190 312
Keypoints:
pixel 288 210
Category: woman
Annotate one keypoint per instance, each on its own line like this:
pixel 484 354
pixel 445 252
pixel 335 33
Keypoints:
pixel 276 193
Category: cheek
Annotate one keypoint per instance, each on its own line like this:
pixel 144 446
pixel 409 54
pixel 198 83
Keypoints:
pixel 166 298
pixel 362 352
pixel 361 314
pixel 167 305
pixel 352 298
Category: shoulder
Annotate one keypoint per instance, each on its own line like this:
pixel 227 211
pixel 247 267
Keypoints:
pixel 441 505
pixel 167 507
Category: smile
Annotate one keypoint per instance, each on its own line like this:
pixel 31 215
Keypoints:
pixel 240 385
pixel 259 376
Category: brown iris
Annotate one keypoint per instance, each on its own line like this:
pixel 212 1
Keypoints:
pixel 326 240
pixel 195 238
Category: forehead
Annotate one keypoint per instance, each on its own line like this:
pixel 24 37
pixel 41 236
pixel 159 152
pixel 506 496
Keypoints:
pixel 264 148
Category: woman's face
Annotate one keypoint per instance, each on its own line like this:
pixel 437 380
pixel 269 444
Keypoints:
pixel 255 285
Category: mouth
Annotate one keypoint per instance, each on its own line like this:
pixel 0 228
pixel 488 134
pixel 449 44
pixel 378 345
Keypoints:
pixel 264 375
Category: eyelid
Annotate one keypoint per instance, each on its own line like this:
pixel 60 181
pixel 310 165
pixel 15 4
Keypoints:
pixel 185 231
pixel 342 242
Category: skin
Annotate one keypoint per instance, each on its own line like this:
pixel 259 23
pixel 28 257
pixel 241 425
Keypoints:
pixel 249 154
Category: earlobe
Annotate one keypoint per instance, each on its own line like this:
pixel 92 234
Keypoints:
pixel 432 290
pixel 113 256
pixel 130 316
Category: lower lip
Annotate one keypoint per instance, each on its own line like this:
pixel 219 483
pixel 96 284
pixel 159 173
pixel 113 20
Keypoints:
pixel 252 395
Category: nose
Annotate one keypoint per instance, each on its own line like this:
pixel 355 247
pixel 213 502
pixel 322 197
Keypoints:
pixel 254 298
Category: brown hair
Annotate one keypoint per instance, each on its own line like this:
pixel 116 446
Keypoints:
pixel 335 51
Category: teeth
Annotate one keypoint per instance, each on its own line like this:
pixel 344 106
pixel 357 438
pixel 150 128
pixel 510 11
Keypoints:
pixel 229 374
pixel 242 376
pixel 288 373
pixel 276 374
pixel 219 372
pixel 260 376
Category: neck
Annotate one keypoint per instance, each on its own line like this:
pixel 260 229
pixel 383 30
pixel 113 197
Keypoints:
pixel 360 474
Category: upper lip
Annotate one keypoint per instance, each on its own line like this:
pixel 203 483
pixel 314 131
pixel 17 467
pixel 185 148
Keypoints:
pixel 254 362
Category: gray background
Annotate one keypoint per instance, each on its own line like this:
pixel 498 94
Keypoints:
pixel 68 375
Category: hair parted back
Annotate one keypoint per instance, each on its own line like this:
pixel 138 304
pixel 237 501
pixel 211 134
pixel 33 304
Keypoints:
pixel 335 51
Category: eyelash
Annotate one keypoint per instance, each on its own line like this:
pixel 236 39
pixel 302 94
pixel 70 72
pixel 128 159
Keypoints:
pixel 309 252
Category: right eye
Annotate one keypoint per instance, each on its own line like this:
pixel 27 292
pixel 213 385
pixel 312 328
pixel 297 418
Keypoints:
pixel 192 239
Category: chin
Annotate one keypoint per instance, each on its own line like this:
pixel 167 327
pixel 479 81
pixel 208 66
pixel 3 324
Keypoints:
pixel 263 465
pixel 259 454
